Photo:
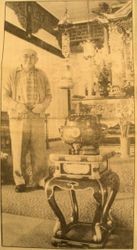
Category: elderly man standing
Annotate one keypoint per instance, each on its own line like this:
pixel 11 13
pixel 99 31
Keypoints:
pixel 27 95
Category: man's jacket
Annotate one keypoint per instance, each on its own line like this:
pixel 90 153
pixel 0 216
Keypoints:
pixel 14 92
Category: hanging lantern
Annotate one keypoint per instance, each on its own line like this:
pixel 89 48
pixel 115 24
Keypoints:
pixel 64 26
pixel 88 49
pixel 66 80
pixel 66 44
pixel 88 45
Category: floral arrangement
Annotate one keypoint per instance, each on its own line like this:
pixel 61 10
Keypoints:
pixel 104 81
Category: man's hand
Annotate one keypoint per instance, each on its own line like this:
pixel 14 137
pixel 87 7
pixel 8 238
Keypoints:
pixel 21 108
pixel 38 108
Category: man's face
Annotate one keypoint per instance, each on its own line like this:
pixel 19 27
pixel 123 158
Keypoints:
pixel 29 59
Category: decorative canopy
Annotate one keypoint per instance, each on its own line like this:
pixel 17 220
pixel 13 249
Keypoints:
pixel 123 12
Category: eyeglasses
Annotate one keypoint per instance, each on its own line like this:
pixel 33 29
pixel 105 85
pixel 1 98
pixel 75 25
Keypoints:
pixel 26 56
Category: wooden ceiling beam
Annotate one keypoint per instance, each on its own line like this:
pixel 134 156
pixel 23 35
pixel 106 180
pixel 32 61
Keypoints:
pixel 14 30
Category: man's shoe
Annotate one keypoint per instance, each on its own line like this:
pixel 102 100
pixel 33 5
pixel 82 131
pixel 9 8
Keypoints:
pixel 20 188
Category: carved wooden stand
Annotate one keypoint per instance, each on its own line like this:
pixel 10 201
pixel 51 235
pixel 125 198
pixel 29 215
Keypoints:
pixel 105 185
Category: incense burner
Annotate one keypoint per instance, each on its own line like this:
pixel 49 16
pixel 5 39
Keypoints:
pixel 83 133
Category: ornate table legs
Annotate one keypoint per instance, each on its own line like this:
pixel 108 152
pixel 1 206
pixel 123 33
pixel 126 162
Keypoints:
pixel 111 182
pixel 105 190
pixel 75 212
pixel 109 185
pixel 60 226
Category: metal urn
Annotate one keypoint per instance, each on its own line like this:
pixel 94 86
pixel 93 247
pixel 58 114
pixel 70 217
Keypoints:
pixel 83 133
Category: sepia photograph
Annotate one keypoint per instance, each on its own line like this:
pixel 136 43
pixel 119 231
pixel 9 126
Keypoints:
pixel 68 124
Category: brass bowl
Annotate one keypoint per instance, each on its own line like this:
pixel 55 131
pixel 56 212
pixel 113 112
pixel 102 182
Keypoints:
pixel 82 130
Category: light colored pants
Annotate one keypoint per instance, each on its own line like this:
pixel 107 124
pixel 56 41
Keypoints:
pixel 28 135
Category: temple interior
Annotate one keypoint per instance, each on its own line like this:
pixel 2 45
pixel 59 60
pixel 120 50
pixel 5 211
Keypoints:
pixel 86 50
